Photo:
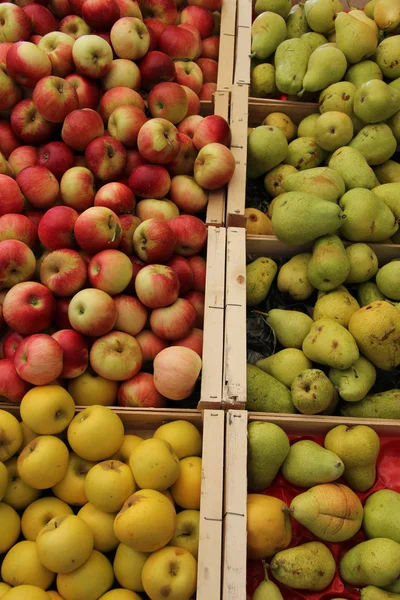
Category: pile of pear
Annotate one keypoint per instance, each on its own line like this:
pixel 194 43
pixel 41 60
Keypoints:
pixel 329 481
pixel 338 352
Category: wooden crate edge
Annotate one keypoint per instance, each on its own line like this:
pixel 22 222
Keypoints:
pixel 236 193
pixel 227 43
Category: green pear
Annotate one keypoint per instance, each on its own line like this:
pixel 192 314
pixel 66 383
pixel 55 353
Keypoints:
pixel 382 515
pixel 290 326
pixel 369 219
pixel 273 181
pixel 390 194
pixel 329 264
pixel 267 590
pixel 394 124
pixel 389 172
pixel 300 218
pixel 318 77
pixel 309 566
pixel 331 511
pixel 304 153
pixel 353 168
pixel 375 101
pixel 337 304
pixel 395 83
pixel 306 127
pixel 291 59
pixel 358 447
pixel 355 38
pixel 387 55
pixel 312 392
pixel 308 464
pixel 285 365
pixel 292 277
pixel 267 32
pixel 327 182
pixel 280 7
pixel 339 97
pixel 394 587
pixel 284 122
pixel 321 14
pixel 314 40
pixel 353 384
pixel 378 406
pixel 374 562
pixel 268 446
pixel 329 343
pixel 296 22
pixel 267 147
pixel 362 72
pixel 259 277
pixel 387 14
pixel 263 81
pixel 363 262
pixel 333 130
pixel 267 394
pixel 368 292
pixel 376 143
pixel 372 592
pixel 388 280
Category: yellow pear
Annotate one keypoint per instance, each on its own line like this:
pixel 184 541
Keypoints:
pixel 257 222
pixel 269 528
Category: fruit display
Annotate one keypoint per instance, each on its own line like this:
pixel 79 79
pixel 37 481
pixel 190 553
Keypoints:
pixel 91 510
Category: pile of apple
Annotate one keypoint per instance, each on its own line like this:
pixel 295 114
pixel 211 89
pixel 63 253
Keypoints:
pixel 100 247
pixel 96 513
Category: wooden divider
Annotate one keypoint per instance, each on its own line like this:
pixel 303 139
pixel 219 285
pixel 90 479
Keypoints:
pixel 227 43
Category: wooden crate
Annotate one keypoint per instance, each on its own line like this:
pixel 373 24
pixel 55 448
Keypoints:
pixel 235 495
pixel 227 45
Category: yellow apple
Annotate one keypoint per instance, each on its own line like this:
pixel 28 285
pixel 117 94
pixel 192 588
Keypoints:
pixel 10 435
pixel 54 595
pixel 89 581
pixel 4 587
pixel 170 573
pixel 39 513
pixel 183 436
pixel 25 592
pixel 43 462
pixel 71 488
pixel 27 434
pixel 102 526
pixel 64 544
pixel 108 484
pixel 128 445
pixel 168 495
pixel 89 388
pixel 18 493
pixel 21 565
pixel 3 480
pixel 187 531
pixel 47 409
pixel 154 464
pixel 96 433
pixel 120 594
pixel 146 522
pixel 128 565
pixel 10 527
pixel 186 490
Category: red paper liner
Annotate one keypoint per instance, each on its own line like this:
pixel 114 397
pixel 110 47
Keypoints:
pixel 388 477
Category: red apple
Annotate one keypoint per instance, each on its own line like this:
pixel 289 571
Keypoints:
pixel 173 322
pixel 157 286
pixel 11 198
pixel 75 352
pixel 8 139
pixel 212 129
pixel 29 307
pixel 100 14
pixel 158 141
pixel 12 387
pixel 197 301
pixel 176 370
pixel 92 312
pixel 182 268
pixel 207 91
pixel 190 233
pixel 178 43
pixel 163 10
pixel 214 166
pixel 155 68
pixel 56 228
pixel 10 343
pixel 125 123
pixel 169 101
pixel 22 157
pixel 189 197
pixel 193 102
pixel 18 227
pixel 194 341
pixel 209 68
pixel 119 96
pixel 60 8
pixel 199 17
pixel 61 320
pixel 27 63
pixel 140 392
pixel 128 224
pixel 199 268
pixel 106 157
pixel 150 344
pixel 130 38
pixel 110 271
pixel 131 314
pixel 209 4
pixel 189 74
pixel 116 356
pixel 137 264
pixel 80 127
pixel 92 56
pixel 17 263
pixel 39 186
pixel 76 7
pixel 97 228
pixel 63 272
pixel 133 160
pixel 14 23
pixel 153 39
pixel 115 196
pixel 129 8
pixel 10 92
pixel 210 47
pixel 87 90
pixel 39 359
pixel 4 48
pixel 183 163
pixel 42 20
pixel 123 73
pixel 154 241
pixel 28 123
pixel 77 188
pixel 150 181
pixel 57 157
pixel 74 26
pixel 156 209
pixel 34 215
pixel 55 98
pixel 195 32
pixel 189 125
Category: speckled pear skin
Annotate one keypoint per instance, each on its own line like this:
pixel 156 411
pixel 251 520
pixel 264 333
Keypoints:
pixel 308 464
pixel 309 566
pixel 374 562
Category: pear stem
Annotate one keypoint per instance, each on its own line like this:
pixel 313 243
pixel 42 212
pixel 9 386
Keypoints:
pixel 266 572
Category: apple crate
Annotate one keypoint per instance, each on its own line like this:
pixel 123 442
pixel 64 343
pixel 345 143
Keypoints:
pixel 235 495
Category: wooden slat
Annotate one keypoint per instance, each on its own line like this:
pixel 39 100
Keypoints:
pixel 237 186
pixel 227 42
pixel 243 42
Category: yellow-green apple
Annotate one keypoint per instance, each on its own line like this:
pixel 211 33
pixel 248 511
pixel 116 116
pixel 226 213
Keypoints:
pixel 12 387
pixel 21 157
pixel 42 20
pixel 155 68
pixel 214 166
pixel 131 314
pixel 108 484
pixel 75 352
pixel 17 262
pixel 149 181
pixel 184 161
pixel 102 526
pixel 124 124
pixel 64 544
pixel 44 462
pixel 39 513
pixel 80 127
pixel 128 565
pixel 71 488
pixel 150 344
pixel 55 98
pixel 10 436
pixel 106 157
pixel 61 319
pixel 119 96
pixel 21 565
pixel 123 73
pixel 56 157
pixel 130 38
pixel 128 445
pixel 198 17
pixel 96 433
pixel 157 285
pixel 10 527
pixel 11 198
pixel 10 92
pixel 180 43
pixel 27 433
pixel 120 594
pixel 183 436
pixel 168 100
pixel 92 56
pixel 39 186
pixel 199 268
pixel 188 73
pixel 20 592
pixel 110 271
pixel 158 141
pixel 187 531
pixel 92 579
pixel 187 194
pixel 193 102
pixel 18 493
pixel 27 63
pixel 210 47
pixel 156 209
pixel 8 139
pixel 194 341
pixel 209 68
pixel 181 569
pixel 182 268
pixel 90 388
pixel 190 233
pixel 176 370
pixel 163 10
pixel 207 91
pixel 128 224
pixel 116 196
pixel 74 26
pixel 29 307
pixel 58 47
pixel 47 409
pixel 100 14
pixel 140 392
pixel 77 188
pixel 92 312
pixel 116 355
pixel 210 130
pixel 154 241
pixel 129 8
pixel 11 341
pixel 64 272
pixel 56 228
pixel 154 464
pixel 3 480
pixel 39 359
pixel 97 228
pixel 28 124
pixel 87 90
pixel 15 24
